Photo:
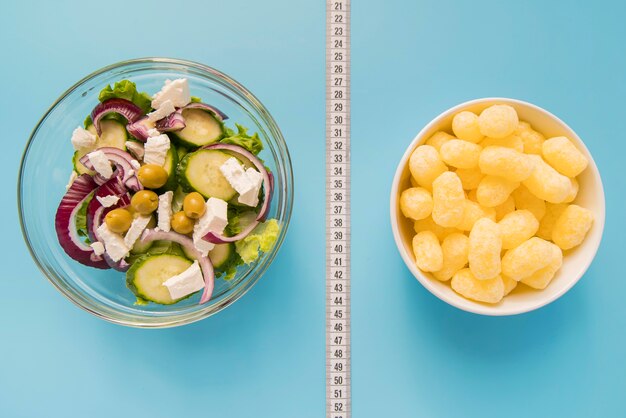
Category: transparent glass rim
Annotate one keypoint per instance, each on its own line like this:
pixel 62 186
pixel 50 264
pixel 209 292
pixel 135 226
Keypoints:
pixel 88 304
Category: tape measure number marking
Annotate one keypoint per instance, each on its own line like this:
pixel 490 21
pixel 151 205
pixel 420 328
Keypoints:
pixel 338 402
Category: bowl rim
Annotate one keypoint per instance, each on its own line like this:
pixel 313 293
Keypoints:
pixel 476 307
pixel 209 310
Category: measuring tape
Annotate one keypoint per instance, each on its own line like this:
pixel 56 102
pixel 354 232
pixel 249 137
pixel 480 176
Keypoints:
pixel 338 402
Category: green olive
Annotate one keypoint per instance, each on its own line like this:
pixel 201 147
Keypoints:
pixel 181 223
pixel 194 205
pixel 152 176
pixel 118 220
pixel 144 202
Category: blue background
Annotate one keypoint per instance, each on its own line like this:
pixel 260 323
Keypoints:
pixel 412 354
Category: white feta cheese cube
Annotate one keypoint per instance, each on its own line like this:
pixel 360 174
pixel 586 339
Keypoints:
pixel 176 91
pixel 203 246
pixel 251 197
pixel 83 139
pixel 98 248
pixel 153 132
pixel 101 163
pixel 108 201
pixel 73 177
pixel 185 283
pixel 135 164
pixel 164 211
pixel 156 149
pixel 235 175
pixel 135 148
pixel 114 244
pixel 215 219
pixel 136 228
pixel 166 108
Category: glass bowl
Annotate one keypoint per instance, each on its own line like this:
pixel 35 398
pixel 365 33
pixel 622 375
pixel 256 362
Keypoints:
pixel 46 166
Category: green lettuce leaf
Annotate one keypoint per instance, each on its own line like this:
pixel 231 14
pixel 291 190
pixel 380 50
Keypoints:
pixel 81 220
pixel 261 239
pixel 238 218
pixel 230 272
pixel 251 143
pixel 178 199
pixel 126 89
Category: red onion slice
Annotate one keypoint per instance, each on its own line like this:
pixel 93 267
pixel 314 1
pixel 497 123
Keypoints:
pixel 173 122
pixel 121 265
pixel 124 169
pixel 221 239
pixel 65 223
pixel 96 213
pixel 269 196
pixel 123 107
pixel 150 235
pixel 216 112
pixel 139 129
pixel 134 184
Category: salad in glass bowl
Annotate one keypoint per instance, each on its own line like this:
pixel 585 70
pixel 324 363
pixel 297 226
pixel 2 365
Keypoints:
pixel 165 191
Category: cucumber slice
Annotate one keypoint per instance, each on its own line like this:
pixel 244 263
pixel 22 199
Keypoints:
pixel 201 128
pixel 78 167
pixel 220 255
pixel 171 161
pixel 244 161
pixel 113 135
pixel 155 248
pixel 146 276
pixel 200 171
pixel 141 248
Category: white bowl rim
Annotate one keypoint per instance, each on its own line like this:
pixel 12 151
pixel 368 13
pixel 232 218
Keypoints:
pixel 475 307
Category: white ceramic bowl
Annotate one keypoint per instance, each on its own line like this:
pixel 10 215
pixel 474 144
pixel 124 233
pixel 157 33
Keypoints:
pixel 575 261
